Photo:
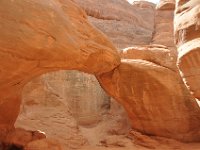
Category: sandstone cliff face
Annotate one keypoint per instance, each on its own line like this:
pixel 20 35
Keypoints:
pixel 164 16
pixel 187 33
pixel 123 23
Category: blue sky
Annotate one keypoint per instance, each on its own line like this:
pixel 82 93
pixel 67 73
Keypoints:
pixel 153 1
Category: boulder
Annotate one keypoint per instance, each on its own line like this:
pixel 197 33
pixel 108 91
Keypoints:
pixel 155 98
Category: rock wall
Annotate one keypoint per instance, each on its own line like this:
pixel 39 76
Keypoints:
pixel 123 23
pixel 187 35
pixel 164 30
pixel 79 92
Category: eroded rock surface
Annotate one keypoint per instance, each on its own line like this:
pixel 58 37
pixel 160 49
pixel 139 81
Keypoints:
pixel 59 103
pixel 166 5
pixel 155 98
pixel 40 36
pixel 79 92
pixel 164 30
pixel 125 24
pixel 187 34
pixel 158 54
pixel 55 35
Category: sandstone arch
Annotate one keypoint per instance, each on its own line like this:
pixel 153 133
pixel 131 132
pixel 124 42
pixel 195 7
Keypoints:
pixel 51 35
pixel 41 36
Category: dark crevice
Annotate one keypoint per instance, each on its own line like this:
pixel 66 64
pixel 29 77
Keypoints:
pixel 10 147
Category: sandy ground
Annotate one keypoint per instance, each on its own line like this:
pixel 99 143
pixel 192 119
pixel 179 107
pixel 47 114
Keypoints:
pixel 60 125
pixel 181 146
pixel 148 143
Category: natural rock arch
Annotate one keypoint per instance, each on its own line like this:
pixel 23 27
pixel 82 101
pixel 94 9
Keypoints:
pixel 32 45
pixel 42 36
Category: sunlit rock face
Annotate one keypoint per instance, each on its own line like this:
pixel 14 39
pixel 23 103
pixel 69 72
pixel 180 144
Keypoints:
pixel 125 24
pixel 164 31
pixel 187 34
pixel 166 5
pixel 153 93
pixel 42 36
pixel 156 53
pixel 118 82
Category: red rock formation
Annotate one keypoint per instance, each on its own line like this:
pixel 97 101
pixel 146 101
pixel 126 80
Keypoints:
pixel 79 92
pixel 38 37
pixel 158 54
pixel 164 16
pixel 20 138
pixel 187 33
pixel 42 36
pixel 154 97
pixel 166 5
pixel 45 92
pixel 125 24
pixel 62 102
pixel 162 57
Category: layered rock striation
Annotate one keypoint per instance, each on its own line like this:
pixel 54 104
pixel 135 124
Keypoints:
pixel 163 32
pixel 187 35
